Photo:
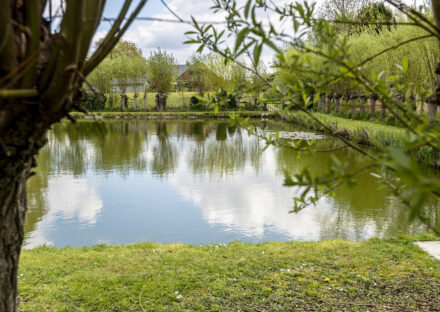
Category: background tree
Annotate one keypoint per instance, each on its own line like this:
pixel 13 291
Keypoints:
pixel 342 10
pixel 327 60
pixel 161 71
pixel 371 15
pixel 123 67
pixel 257 86
pixel 41 71
pixel 200 73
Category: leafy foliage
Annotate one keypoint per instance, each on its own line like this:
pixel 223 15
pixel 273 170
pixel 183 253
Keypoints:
pixel 161 70
pixel 333 62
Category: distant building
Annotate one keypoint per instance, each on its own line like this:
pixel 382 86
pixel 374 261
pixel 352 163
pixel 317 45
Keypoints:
pixel 140 84
pixel 131 85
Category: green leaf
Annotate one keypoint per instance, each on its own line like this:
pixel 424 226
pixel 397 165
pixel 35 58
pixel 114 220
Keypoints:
pixel 257 53
pixel 405 63
pixel 240 37
pixel 246 9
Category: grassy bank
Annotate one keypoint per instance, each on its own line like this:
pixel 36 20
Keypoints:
pixel 363 132
pixel 174 115
pixel 376 275
pixel 175 100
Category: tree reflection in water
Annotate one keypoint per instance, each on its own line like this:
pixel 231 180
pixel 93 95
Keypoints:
pixel 220 169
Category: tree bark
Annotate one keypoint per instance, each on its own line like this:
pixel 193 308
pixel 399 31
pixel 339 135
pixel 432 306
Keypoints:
pixel 329 104
pixel 372 106
pixel 337 103
pixel 383 110
pixel 18 148
pixel 353 104
pixel 432 110
pixel 362 104
pixel 135 100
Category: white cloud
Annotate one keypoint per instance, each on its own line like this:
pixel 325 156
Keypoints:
pixel 67 198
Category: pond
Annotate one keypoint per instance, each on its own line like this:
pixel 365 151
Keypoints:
pixel 195 182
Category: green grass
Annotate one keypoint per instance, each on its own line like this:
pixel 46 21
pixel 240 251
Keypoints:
pixel 376 275
pixel 366 133
pixel 178 114
pixel 174 100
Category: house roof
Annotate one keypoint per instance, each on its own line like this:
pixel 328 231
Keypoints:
pixel 182 69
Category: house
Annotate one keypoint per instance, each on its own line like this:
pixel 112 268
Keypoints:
pixel 184 77
pixel 132 85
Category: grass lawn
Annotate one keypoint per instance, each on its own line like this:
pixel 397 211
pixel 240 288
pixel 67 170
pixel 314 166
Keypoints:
pixel 176 114
pixel 376 275
pixel 174 100
pixel 366 133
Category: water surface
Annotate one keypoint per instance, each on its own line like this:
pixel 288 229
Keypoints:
pixel 197 182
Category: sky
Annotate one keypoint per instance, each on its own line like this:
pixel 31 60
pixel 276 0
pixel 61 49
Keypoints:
pixel 149 35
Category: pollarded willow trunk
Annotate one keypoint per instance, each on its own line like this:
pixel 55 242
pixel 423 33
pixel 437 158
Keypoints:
pixel 432 108
pixel 135 101
pixel 373 100
pixel 353 104
pixel 337 98
pixel 383 109
pixel 329 104
pixel 362 102
pixel 20 144
pixel 41 73
pixel 145 101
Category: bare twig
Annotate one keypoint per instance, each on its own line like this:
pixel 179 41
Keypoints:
pixel 83 78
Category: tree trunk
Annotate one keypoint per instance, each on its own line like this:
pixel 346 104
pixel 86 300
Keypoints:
pixel 337 104
pixel 432 111
pixel 372 106
pixel 329 104
pixel 19 145
pixel 363 101
pixel 316 105
pixel 122 101
pixel 111 101
pixel 145 101
pixel 135 101
pixel 353 104
pixel 158 102
pixel 383 110
pixel 13 210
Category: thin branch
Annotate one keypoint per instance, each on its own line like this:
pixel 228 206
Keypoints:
pixel 394 47
pixel 80 109
pixel 18 93
pixel 98 56
pixel 172 12
pixel 331 149
pixel 83 78
pixel 401 8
